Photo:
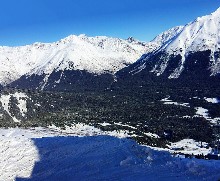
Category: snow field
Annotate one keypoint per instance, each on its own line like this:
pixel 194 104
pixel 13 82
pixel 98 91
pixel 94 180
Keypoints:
pixel 48 154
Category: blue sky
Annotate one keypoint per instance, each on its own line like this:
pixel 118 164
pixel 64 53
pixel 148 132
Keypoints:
pixel 27 21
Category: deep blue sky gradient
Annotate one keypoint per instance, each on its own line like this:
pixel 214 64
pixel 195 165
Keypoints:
pixel 28 21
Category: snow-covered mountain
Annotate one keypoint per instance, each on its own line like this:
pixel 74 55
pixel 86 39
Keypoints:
pixel 196 45
pixel 199 35
pixel 192 50
pixel 167 36
pixel 47 65
pixel 94 54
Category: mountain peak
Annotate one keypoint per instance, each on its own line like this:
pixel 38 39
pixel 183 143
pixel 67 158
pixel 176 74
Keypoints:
pixel 200 35
pixel 217 12
pixel 130 39
pixel 82 36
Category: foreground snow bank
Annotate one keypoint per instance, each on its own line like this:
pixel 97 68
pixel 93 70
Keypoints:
pixel 47 154
pixel 18 155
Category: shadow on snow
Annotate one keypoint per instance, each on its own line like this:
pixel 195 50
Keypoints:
pixel 109 158
pixel 87 158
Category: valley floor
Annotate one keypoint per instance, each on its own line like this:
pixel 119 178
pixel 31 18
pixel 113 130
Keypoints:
pixel 86 153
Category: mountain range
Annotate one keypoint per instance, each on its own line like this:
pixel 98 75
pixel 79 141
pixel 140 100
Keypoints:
pixel 190 52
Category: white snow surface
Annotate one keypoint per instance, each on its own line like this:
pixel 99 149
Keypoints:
pixel 22 104
pixel 178 104
pixel 93 54
pixel 5 99
pixel 152 135
pixel 86 130
pixel 168 101
pixel 200 111
pixel 190 146
pixel 18 155
pixel 167 36
pixel 48 154
pixel 212 100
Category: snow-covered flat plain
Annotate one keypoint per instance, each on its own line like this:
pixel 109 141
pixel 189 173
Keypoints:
pixel 49 154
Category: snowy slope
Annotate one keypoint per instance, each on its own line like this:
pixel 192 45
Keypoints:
pixel 21 99
pixel 203 34
pixel 200 35
pixel 167 36
pixel 93 54
pixel 42 154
